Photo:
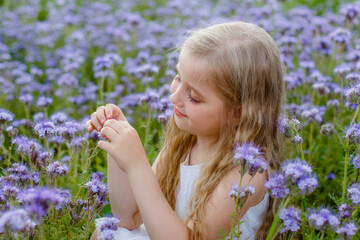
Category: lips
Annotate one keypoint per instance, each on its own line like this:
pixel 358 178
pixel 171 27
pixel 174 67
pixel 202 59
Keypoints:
pixel 178 113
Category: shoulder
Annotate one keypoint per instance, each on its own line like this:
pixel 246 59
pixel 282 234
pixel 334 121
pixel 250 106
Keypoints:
pixel 220 205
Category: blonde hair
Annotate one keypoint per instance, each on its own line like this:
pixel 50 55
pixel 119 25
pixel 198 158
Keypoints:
pixel 244 63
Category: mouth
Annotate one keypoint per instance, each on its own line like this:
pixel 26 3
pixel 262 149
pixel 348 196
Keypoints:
pixel 178 113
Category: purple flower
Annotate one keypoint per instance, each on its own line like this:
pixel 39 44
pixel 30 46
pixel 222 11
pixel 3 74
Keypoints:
pixel 307 184
pixel 353 193
pixel 347 230
pixel 277 185
pixel 331 176
pixel 288 127
pixel 26 146
pixel 244 192
pixel 56 169
pixel 58 117
pixel 43 101
pixel 353 133
pixel 96 187
pixel 108 223
pixel 69 129
pixel 333 102
pixel 291 219
pixel 323 219
pixel 39 201
pixel 327 129
pixel 353 78
pixel 5 116
pixel 26 98
pixel 350 11
pixel 68 80
pixel 297 139
pixel 17 220
pixel 356 161
pixel 340 36
pixel 78 142
pixel 294 169
pixel 344 211
pixel 45 129
pixel 249 157
pixel 98 175
pixel 107 234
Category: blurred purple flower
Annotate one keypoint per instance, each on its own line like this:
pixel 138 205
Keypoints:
pixel 56 169
pixel 5 116
pixel 353 133
pixel 26 98
pixel 78 142
pixel 43 101
pixel 347 230
pixel 356 161
pixel 68 80
pixel 16 220
pixel 244 192
pixel 323 219
pixel 350 11
pixel 353 192
pixel 340 36
pixel 39 201
pixel 344 211
pixel 291 219
pixel 249 157
pixel 69 129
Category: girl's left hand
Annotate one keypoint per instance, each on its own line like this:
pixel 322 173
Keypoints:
pixel 123 144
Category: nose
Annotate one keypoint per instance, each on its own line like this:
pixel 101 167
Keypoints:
pixel 176 94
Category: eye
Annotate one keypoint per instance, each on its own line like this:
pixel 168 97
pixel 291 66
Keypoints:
pixel 193 100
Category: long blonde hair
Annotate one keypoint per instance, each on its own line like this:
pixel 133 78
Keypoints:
pixel 244 63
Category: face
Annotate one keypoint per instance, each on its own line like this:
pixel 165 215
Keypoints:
pixel 197 106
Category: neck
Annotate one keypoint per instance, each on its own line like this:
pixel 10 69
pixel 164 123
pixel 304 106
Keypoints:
pixel 200 150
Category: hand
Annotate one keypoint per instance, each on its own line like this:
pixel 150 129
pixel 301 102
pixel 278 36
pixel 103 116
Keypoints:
pixel 123 143
pixel 103 113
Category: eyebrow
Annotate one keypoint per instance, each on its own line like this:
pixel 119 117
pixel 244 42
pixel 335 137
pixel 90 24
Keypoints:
pixel 192 88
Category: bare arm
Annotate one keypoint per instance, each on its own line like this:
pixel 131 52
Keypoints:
pixel 122 201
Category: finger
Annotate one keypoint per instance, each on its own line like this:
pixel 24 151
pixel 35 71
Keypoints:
pixel 117 126
pixel 95 121
pixel 89 126
pixel 104 145
pixel 100 111
pixel 115 112
pixel 109 133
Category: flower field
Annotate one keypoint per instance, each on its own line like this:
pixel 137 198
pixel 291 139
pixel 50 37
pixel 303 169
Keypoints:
pixel 61 59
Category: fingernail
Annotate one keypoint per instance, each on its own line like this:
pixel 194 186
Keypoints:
pixel 89 127
pixel 109 115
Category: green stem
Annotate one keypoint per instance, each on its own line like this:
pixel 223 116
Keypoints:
pixel 276 218
pixel 347 158
pixel 310 139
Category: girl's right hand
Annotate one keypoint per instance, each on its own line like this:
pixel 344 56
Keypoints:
pixel 103 113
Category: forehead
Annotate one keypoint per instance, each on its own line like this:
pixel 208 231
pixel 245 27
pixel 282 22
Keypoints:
pixel 193 68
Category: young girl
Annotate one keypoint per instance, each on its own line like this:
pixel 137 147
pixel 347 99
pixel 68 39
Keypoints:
pixel 228 90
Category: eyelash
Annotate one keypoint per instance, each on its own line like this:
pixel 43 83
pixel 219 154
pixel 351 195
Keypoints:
pixel 192 100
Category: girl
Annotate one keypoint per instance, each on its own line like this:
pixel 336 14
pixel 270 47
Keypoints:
pixel 228 90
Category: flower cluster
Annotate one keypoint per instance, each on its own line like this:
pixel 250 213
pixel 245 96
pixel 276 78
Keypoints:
pixel 249 157
pixel 293 172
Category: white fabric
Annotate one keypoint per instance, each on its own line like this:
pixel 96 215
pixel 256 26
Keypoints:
pixel 188 178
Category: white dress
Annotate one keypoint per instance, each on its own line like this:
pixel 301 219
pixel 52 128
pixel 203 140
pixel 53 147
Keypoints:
pixel 188 177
